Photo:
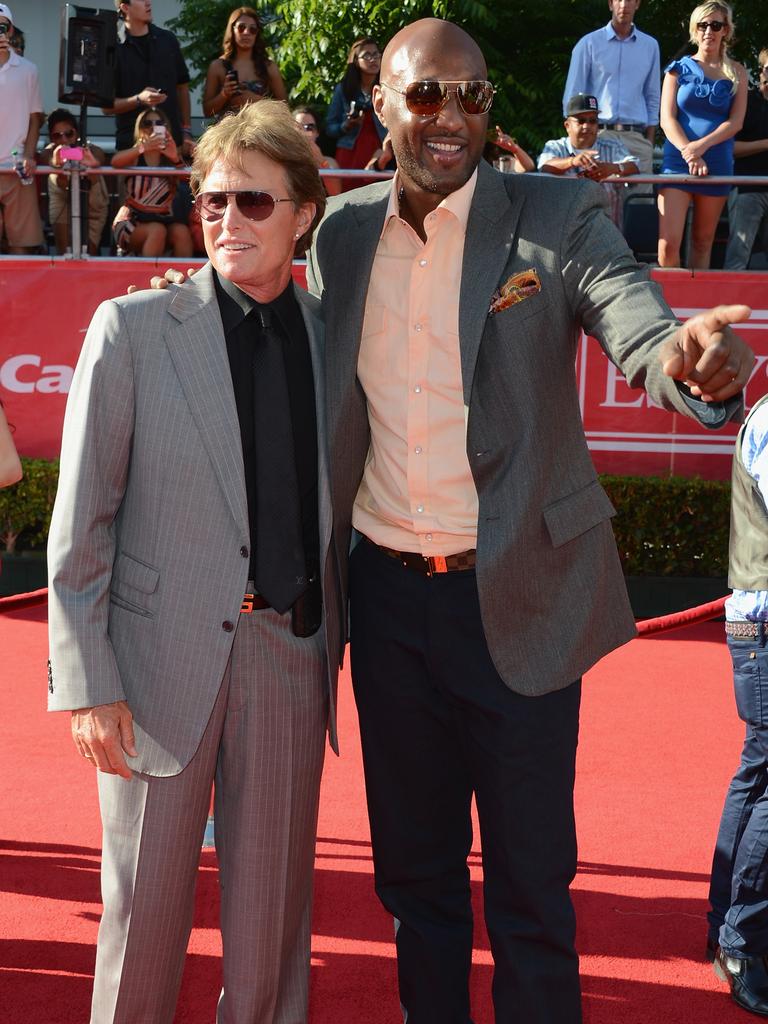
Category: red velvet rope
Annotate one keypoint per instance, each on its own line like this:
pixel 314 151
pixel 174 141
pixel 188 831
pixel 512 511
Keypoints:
pixel 17 601
pixel 663 623
pixel 645 627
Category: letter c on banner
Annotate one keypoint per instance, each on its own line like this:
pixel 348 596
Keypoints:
pixel 10 369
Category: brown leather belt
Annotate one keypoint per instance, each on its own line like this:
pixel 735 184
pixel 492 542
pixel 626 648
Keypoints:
pixel 429 565
pixel 617 126
pixel 746 630
pixel 252 603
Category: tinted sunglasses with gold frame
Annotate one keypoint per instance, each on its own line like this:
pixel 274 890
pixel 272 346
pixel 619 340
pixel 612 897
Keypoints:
pixel 426 99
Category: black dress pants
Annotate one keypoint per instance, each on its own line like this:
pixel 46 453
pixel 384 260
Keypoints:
pixel 439 725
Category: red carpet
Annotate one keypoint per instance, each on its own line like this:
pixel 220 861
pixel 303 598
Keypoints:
pixel 660 739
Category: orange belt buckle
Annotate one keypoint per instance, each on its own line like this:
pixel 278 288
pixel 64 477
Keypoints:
pixel 247 606
pixel 438 563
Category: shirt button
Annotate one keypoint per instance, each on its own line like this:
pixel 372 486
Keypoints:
pixel 244 551
pixel 417 389
pixel 422 263
pixel 418 449
pixel 227 626
pixel 417 328
pixel 428 536
pixel 419 508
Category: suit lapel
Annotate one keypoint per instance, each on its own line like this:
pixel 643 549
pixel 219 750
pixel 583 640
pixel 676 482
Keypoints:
pixel 488 245
pixel 316 348
pixel 364 226
pixel 199 353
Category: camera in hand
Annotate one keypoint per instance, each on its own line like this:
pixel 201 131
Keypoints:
pixel 234 78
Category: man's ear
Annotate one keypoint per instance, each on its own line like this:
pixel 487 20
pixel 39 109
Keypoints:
pixel 377 99
pixel 307 213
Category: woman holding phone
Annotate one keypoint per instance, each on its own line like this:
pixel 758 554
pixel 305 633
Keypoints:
pixel 243 73
pixel 351 120
pixel 146 224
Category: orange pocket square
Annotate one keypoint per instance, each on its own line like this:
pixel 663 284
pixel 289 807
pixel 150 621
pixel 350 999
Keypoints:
pixel 515 289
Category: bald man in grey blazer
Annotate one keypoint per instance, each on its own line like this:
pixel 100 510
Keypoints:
pixel 485 580
pixel 181 649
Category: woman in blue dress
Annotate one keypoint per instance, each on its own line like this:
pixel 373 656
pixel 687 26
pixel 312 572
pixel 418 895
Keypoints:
pixel 703 100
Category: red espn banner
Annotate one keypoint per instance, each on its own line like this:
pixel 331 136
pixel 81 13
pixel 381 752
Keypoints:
pixel 48 304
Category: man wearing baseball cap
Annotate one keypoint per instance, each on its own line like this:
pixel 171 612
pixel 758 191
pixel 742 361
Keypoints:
pixel 21 115
pixel 584 153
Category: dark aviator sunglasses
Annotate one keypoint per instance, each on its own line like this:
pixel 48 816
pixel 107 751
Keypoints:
pixel 425 99
pixel 253 204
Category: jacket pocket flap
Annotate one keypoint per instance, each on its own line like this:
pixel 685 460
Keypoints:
pixel 576 513
pixel 133 573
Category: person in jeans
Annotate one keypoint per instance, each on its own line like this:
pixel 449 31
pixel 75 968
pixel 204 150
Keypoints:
pixel 737 941
pixel 748 205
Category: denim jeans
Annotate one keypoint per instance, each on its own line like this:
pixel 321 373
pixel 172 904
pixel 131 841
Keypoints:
pixel 747 216
pixel 739 887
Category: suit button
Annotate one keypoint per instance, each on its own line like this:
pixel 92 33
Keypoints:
pixel 227 626
pixel 244 551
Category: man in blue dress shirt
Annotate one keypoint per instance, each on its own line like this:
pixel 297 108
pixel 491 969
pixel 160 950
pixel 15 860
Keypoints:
pixel 620 65
pixel 738 894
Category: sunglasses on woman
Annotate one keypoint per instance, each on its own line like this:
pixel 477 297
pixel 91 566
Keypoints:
pixel 715 26
pixel 69 133
pixel 250 29
pixel 425 99
pixel 252 204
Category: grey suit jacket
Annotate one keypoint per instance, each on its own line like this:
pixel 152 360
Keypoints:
pixel 148 544
pixel 551 590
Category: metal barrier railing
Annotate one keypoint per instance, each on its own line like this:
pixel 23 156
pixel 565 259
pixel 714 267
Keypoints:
pixel 77 172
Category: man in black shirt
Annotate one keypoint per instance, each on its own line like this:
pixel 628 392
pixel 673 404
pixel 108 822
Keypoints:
pixel 748 207
pixel 196 617
pixel 150 72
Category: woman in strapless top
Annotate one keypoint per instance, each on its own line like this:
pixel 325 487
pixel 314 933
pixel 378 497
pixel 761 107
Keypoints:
pixel 243 73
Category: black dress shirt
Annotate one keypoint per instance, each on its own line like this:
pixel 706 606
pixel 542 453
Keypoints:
pixel 153 59
pixel 238 315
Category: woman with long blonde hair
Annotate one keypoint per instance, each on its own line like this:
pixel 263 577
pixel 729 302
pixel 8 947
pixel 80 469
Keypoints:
pixel 703 100
pixel 243 73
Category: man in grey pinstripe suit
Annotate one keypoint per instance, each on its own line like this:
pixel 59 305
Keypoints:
pixel 172 676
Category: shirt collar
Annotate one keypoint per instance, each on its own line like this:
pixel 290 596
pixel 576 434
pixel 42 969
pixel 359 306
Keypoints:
pixel 13 61
pixel 457 203
pixel 235 305
pixel 610 32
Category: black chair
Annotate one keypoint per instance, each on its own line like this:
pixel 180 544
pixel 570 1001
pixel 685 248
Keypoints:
pixel 641 227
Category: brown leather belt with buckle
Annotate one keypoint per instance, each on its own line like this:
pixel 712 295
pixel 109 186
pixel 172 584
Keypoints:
pixel 252 603
pixel 617 126
pixel 429 565
pixel 745 630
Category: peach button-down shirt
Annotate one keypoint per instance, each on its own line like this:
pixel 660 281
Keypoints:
pixel 417 491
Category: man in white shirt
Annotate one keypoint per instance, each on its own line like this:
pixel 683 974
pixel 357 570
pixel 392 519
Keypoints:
pixel 620 65
pixel 584 153
pixel 21 114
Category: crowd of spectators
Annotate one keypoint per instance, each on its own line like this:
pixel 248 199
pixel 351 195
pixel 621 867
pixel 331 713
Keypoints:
pixel 614 106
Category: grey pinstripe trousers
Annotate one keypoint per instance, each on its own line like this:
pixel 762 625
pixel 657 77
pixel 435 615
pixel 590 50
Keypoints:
pixel 264 744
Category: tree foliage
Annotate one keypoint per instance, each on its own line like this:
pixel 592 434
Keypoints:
pixel 527 43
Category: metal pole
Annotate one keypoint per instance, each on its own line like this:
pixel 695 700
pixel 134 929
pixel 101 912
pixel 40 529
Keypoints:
pixel 74 211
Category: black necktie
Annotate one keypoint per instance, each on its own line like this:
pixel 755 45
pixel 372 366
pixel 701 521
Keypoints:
pixel 280 570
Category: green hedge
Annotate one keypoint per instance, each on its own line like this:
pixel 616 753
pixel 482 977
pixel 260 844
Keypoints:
pixel 665 526
pixel 25 508
pixel 670 526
